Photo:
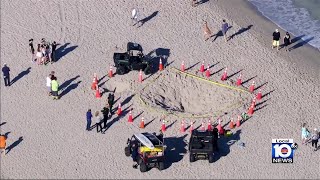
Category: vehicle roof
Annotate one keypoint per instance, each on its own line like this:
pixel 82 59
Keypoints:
pixel 134 46
pixel 147 139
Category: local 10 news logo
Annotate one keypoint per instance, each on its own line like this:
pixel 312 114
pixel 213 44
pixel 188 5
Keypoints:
pixel 283 150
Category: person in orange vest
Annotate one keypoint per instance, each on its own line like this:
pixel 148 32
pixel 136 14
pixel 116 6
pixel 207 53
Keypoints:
pixel 3 144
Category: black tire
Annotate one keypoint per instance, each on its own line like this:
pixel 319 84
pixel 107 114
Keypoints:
pixel 161 166
pixel 147 70
pixel 121 70
pixel 192 158
pixel 127 151
pixel 210 157
pixel 143 167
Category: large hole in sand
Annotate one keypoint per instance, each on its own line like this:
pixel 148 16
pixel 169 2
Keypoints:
pixel 177 93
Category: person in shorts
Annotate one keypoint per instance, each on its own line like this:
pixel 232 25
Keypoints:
pixel 48 84
pixel 314 139
pixel 54 88
pixel 276 39
pixel 224 29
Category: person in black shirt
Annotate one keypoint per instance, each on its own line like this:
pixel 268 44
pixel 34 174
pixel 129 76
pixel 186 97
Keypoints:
pixel 110 101
pixel 32 49
pixel 53 51
pixel 105 112
pixel 276 39
pixel 6 74
pixel 286 41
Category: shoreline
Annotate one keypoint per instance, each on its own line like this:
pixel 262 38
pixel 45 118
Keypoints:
pixel 263 28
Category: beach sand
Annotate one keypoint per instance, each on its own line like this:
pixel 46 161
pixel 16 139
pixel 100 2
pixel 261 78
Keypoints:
pixel 55 143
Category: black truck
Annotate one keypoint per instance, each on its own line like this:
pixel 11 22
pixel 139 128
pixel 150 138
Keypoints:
pixel 133 59
pixel 203 144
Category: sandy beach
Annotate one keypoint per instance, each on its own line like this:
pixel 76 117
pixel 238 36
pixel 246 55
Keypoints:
pixel 54 141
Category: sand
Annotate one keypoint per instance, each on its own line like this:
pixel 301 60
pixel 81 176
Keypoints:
pixel 55 143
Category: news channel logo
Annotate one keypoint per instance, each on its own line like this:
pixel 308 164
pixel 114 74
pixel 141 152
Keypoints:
pixel 283 150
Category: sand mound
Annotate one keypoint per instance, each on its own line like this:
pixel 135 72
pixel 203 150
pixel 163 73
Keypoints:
pixel 178 93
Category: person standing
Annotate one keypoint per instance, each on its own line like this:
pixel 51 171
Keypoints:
pixel 134 154
pixel 224 29
pixel 110 101
pixel 98 123
pixel 105 112
pixel 134 16
pixel 3 144
pixel 39 54
pixel 48 84
pixel 286 41
pixel 276 39
pixel 53 51
pixel 54 88
pixel 89 117
pixel 207 31
pixel 6 74
pixel 304 133
pixel 32 50
pixel 315 139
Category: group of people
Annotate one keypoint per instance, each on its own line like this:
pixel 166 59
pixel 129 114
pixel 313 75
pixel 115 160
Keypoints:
pixel 45 52
pixel 307 136
pixel 276 40
pixel 105 115
pixel 224 28
pixel 52 86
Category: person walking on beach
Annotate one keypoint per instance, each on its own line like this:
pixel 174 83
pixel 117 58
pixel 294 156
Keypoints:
pixel 286 41
pixel 206 30
pixel 54 88
pixel 224 29
pixel 110 102
pixel 105 113
pixel 134 16
pixel 98 121
pixel 276 39
pixel 304 133
pixel 314 139
pixel 89 117
pixel 3 144
pixel 6 74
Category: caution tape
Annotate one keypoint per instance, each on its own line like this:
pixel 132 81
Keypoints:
pixel 212 82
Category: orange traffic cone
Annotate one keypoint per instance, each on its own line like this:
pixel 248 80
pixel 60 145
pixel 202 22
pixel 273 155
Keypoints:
pixel 182 129
pixel 239 81
pixel 98 94
pixel 182 66
pixel 231 125
pixel 208 72
pixel 160 65
pixel 119 110
pixel 224 75
pixel 140 76
pixel 259 95
pixel 94 84
pixel 202 67
pixel 253 103
pixel 219 127
pixel 202 127
pixel 95 78
pixel 238 121
pixel 163 126
pixel 110 72
pixel 142 123
pixel 209 126
pixel 130 119
pixel 251 109
pixel 191 126
pixel 251 88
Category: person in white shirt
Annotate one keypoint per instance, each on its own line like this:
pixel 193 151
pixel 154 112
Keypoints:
pixel 134 16
pixel 49 84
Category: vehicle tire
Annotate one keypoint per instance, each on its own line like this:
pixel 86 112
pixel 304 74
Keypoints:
pixel 192 158
pixel 143 167
pixel 127 151
pixel 161 166
pixel 210 157
pixel 121 70
pixel 147 70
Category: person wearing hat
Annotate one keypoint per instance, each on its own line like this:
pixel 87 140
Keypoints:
pixel 315 139
pixel 6 74
pixel 276 39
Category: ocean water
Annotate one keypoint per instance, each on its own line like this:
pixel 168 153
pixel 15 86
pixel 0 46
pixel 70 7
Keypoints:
pixel 299 17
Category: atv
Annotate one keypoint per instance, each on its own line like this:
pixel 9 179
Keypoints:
pixel 203 144
pixel 150 150
pixel 133 59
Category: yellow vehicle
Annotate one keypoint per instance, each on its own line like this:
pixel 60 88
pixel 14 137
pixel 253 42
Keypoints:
pixel 151 150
